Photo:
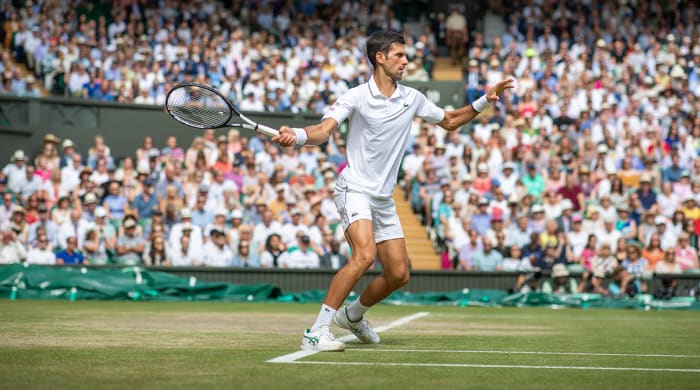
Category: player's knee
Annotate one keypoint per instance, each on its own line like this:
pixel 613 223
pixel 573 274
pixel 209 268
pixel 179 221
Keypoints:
pixel 363 259
pixel 397 277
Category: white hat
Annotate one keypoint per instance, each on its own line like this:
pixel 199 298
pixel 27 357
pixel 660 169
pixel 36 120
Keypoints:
pixel 659 220
pixel 129 223
pixel 566 204
pixel 482 167
pixel 237 213
pixel 185 213
pixel 186 226
pixel 100 212
pixel 467 177
pixel 220 211
pixel 67 143
pixel 90 198
pixel 559 271
pixel 19 155
pixel 537 209
pixel 602 148
pixel 279 187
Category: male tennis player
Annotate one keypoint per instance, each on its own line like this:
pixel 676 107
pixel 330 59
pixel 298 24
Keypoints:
pixel 380 113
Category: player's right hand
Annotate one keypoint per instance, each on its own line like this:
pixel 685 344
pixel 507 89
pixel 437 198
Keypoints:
pixel 286 137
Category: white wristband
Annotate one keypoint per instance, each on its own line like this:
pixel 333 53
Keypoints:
pixel 302 136
pixel 480 104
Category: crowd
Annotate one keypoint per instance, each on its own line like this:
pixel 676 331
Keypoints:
pixel 592 162
pixel 276 56
pixel 223 201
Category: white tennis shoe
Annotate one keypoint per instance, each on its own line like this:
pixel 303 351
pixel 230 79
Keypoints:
pixel 361 329
pixel 321 340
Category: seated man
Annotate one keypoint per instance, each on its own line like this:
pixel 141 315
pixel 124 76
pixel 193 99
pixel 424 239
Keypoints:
pixel 560 282
pixel 130 246
pixel 71 255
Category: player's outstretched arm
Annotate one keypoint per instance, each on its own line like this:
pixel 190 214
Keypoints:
pixel 309 135
pixel 455 119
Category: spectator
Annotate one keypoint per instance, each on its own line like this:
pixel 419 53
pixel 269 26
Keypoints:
pixel 333 259
pixel 215 252
pixel 668 265
pixel 560 282
pixel 71 254
pixel 42 253
pixel 303 256
pixel 11 249
pixel 487 259
pixel 182 254
pixel 48 225
pixel 16 172
pixel 274 250
pixel 130 246
pixel 156 252
pixel 242 258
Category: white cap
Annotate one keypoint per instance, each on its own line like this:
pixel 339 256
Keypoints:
pixel 185 213
pixel 220 211
pixel 659 220
pixel 100 212
pixel 90 198
pixel 537 209
pixel 19 155
pixel 566 204
pixel 237 213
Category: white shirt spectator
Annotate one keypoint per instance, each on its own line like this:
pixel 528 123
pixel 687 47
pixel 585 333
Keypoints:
pixel 262 231
pixel 289 233
pixel 301 258
pixel 16 176
pixel 12 252
pixel 41 256
pixel 215 256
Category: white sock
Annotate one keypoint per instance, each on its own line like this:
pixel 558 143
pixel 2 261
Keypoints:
pixel 356 310
pixel 325 316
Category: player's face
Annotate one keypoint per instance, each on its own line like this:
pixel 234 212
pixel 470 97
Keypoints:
pixel 395 62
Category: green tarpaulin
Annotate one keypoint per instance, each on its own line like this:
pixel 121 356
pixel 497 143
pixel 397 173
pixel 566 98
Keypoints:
pixel 21 281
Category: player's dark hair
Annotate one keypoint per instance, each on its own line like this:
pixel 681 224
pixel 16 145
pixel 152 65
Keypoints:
pixel 381 41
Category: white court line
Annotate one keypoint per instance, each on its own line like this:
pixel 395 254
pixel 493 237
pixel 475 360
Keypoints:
pixel 689 370
pixel 294 356
pixel 523 352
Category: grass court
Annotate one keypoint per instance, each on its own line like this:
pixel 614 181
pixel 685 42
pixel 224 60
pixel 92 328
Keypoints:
pixel 85 344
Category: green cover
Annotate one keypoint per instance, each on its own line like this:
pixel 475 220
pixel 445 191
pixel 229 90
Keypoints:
pixel 131 283
pixel 22 281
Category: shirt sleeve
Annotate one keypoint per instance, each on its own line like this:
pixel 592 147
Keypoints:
pixel 428 111
pixel 341 109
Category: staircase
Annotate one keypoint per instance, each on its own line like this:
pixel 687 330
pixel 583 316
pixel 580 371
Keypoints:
pixel 420 248
pixel 444 70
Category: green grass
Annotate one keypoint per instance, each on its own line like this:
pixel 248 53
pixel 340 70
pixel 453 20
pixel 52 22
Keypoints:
pixel 55 344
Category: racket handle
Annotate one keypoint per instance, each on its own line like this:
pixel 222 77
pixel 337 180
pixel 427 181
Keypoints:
pixel 268 131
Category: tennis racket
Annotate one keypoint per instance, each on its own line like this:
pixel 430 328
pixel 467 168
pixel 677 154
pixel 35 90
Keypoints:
pixel 202 107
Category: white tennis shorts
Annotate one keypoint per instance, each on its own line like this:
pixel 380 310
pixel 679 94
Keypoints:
pixel 353 206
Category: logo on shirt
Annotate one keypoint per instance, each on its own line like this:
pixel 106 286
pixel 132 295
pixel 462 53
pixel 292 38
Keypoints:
pixel 405 105
pixel 353 214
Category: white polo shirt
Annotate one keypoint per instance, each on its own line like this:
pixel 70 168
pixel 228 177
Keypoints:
pixel 378 134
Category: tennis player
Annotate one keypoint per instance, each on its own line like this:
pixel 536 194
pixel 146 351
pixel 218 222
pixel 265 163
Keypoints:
pixel 380 113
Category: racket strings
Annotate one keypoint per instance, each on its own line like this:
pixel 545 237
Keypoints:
pixel 198 107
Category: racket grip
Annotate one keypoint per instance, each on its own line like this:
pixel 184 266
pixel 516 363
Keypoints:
pixel 268 131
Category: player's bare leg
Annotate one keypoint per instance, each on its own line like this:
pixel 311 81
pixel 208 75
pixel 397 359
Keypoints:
pixel 319 338
pixel 394 260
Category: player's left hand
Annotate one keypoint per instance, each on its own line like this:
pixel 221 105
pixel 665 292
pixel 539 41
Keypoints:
pixel 497 90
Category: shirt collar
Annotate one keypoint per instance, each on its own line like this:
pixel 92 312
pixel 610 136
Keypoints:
pixel 374 90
